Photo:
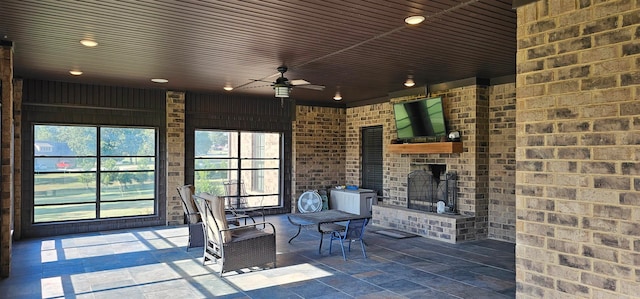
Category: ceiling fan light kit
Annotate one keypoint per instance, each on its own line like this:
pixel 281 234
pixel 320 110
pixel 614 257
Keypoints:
pixel 282 91
pixel 283 86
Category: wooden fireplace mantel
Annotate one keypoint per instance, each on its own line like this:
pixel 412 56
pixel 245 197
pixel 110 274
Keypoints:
pixel 426 148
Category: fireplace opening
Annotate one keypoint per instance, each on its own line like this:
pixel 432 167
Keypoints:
pixel 434 190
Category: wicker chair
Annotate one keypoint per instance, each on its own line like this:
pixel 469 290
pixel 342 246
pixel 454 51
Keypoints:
pixel 238 201
pixel 237 247
pixel 196 233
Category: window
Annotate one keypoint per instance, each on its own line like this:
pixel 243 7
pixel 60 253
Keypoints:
pixel 253 158
pixel 93 172
pixel 258 164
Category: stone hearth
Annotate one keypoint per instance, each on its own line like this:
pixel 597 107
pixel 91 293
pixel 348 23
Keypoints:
pixel 443 227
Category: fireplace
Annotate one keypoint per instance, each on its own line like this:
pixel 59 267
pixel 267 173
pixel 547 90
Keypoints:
pixel 434 190
pixel 432 208
pixel 417 211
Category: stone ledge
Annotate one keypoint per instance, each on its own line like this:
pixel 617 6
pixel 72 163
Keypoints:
pixel 442 227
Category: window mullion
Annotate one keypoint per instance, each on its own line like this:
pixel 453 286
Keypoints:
pixel 98 172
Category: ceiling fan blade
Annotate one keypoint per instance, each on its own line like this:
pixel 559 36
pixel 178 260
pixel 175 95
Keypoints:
pixel 258 86
pixel 299 82
pixel 260 80
pixel 311 86
pixel 250 84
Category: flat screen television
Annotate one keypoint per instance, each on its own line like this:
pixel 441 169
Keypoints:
pixel 420 118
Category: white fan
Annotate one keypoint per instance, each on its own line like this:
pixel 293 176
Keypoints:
pixel 309 202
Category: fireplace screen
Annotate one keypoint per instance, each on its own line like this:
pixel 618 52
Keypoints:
pixel 426 190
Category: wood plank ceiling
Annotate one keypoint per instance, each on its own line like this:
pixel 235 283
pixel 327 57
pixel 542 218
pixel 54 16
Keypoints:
pixel 364 48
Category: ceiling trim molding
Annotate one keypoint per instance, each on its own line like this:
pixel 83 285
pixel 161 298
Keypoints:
pixel 425 89
pixel 415 91
pixel 503 80
pixel 6 43
pixel 518 3
pixel 368 102
pixel 335 104
pixel 459 83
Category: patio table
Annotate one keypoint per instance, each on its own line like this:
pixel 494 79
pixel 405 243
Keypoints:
pixel 324 220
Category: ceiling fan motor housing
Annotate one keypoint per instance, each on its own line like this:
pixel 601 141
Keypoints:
pixel 282 69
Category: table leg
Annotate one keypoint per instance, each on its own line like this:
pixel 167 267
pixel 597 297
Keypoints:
pixel 299 225
pixel 320 247
pixel 299 229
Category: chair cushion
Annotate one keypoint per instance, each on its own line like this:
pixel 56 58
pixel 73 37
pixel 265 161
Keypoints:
pixel 216 205
pixel 247 233
pixel 186 194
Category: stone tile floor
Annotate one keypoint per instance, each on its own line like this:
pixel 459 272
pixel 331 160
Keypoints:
pixel 153 263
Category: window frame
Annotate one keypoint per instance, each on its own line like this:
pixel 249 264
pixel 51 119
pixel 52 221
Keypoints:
pixel 98 171
pixel 239 161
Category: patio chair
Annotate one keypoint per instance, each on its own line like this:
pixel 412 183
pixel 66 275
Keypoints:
pixel 238 201
pixel 238 247
pixel 353 231
pixel 194 221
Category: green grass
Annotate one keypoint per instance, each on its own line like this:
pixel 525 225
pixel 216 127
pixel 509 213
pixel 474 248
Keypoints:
pixel 65 188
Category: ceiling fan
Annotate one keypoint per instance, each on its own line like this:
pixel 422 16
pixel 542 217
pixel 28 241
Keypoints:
pixel 282 86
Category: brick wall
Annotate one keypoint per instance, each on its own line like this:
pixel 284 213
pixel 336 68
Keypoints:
pixel 17 153
pixel 6 159
pixel 502 162
pixel 441 227
pixel 358 118
pixel 318 149
pixel 578 153
pixel 466 110
pixel 175 155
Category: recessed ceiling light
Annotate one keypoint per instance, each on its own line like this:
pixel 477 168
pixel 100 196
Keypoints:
pixel 159 80
pixel 228 88
pixel 337 97
pixel 89 43
pixel 414 20
pixel 409 82
pixel 75 72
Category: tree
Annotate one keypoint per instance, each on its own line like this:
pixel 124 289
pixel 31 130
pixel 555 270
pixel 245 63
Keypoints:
pixel 220 139
pixel 202 143
pixel 121 141
pixel 87 178
pixel 107 178
pixel 81 140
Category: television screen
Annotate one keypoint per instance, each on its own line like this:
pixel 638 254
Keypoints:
pixel 420 118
